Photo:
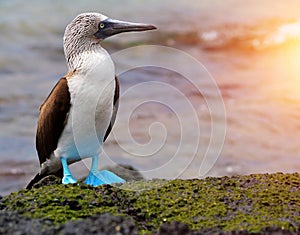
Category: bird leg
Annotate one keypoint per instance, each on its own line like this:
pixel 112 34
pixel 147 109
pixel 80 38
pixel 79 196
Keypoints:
pixel 97 178
pixel 68 177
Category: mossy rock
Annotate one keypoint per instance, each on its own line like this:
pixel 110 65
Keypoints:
pixel 247 204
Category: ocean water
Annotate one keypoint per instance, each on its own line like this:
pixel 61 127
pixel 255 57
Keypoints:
pixel 217 93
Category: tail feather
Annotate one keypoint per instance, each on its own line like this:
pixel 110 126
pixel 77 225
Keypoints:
pixel 36 179
pixel 39 176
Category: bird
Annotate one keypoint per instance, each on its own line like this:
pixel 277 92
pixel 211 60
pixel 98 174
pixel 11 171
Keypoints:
pixel 80 111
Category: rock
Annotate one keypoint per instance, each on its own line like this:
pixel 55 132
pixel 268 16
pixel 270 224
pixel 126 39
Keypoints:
pixel 238 205
pixel 13 223
pixel 48 180
pixel 127 172
pixel 105 224
pixel 174 228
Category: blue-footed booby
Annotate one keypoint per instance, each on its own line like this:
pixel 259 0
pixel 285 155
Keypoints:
pixel 78 115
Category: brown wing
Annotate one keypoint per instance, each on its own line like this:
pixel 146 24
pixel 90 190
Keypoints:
pixel 53 116
pixel 115 109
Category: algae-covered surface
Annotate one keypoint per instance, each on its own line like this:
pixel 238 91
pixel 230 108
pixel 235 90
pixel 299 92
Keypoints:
pixel 240 203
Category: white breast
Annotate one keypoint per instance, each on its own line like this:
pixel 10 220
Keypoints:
pixel 92 91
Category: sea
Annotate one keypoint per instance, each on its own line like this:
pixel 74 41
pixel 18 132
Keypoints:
pixel 214 91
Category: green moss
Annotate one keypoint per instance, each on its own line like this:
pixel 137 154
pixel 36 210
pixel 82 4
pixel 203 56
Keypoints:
pixel 238 203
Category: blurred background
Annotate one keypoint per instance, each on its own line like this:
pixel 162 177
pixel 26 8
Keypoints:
pixel 251 49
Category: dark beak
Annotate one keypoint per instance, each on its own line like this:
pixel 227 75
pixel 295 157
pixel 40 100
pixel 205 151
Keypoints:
pixel 110 27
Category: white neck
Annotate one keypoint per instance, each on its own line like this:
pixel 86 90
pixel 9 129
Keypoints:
pixel 92 67
pixel 80 60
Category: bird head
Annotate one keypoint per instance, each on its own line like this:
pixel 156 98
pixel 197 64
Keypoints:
pixel 88 29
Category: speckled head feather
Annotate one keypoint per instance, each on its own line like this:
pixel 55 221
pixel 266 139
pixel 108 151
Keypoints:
pixel 79 35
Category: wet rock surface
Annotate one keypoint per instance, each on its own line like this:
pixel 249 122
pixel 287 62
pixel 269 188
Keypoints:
pixel 105 224
pixel 12 223
pixel 253 204
pixel 177 228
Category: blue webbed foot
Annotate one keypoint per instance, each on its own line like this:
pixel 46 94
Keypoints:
pixel 102 177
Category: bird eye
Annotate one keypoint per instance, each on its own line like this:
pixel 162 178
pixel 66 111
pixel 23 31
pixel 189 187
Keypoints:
pixel 101 25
